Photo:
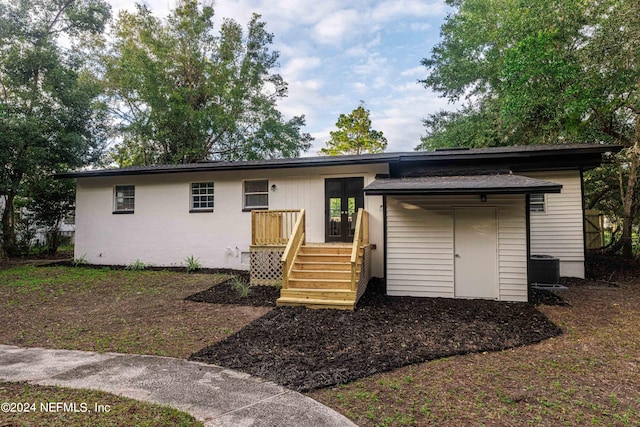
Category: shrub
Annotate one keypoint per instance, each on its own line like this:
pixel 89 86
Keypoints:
pixel 241 287
pixel 137 265
pixel 193 264
pixel 77 262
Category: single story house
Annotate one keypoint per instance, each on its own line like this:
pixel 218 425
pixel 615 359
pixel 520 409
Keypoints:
pixel 458 223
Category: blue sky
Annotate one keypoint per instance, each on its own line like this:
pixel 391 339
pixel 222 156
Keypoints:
pixel 334 53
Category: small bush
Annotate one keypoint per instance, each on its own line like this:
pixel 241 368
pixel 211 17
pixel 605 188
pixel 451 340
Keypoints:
pixel 241 287
pixel 77 262
pixel 137 265
pixel 193 264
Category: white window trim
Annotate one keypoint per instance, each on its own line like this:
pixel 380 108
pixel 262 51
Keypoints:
pixel 191 195
pixel 115 200
pixel 245 194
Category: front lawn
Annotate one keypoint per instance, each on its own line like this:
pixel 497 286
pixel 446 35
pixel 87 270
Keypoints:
pixel 589 375
pixel 84 407
pixel 141 312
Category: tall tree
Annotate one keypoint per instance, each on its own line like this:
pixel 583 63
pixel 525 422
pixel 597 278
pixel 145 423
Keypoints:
pixel 354 135
pixel 540 71
pixel 182 92
pixel 49 120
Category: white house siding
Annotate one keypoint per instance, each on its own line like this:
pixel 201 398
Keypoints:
pixel 559 230
pixel 162 232
pixel 420 241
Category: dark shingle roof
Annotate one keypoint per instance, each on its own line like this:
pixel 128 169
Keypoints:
pixel 466 184
pixel 513 152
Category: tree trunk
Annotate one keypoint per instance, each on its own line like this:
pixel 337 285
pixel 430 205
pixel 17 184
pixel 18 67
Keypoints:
pixel 8 226
pixel 629 200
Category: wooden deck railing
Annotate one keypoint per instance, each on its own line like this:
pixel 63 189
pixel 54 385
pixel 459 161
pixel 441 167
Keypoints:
pixel 360 238
pixel 297 239
pixel 272 228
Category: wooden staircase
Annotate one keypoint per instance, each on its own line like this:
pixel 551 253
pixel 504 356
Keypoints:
pixel 321 277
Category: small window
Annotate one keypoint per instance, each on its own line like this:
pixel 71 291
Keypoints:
pixel 202 197
pixel 124 198
pixel 537 202
pixel 256 194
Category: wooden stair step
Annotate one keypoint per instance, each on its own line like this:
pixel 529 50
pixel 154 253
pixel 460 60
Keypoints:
pixel 323 258
pixel 323 265
pixel 303 293
pixel 316 303
pixel 319 274
pixel 344 284
pixel 328 249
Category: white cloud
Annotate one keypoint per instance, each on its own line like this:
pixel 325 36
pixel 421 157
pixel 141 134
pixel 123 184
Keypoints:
pixel 294 69
pixel 417 72
pixel 336 26
pixel 394 9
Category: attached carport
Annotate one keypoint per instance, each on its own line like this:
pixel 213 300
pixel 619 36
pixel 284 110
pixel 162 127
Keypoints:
pixel 458 236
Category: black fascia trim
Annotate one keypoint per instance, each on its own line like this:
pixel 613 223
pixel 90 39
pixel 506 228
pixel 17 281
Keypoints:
pixel 393 159
pixel 448 191
pixel 226 167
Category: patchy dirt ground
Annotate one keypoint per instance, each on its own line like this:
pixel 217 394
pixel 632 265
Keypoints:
pixel 307 349
pixel 589 375
pixel 142 312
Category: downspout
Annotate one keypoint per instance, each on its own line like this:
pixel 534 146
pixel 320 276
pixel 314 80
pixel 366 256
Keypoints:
pixel 584 230
pixel 528 232
pixel 384 239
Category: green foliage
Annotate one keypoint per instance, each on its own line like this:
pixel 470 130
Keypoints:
pixel 192 264
pixel 137 265
pixel 354 135
pixel 182 92
pixel 540 72
pixel 50 119
pixel 50 201
pixel 82 260
pixel 241 287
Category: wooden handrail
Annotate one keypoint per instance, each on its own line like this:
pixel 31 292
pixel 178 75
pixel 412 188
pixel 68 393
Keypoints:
pixel 272 228
pixel 297 239
pixel 360 237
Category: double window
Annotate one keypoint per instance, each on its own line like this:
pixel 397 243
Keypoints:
pixel 124 200
pixel 201 197
pixel 537 202
pixel 256 194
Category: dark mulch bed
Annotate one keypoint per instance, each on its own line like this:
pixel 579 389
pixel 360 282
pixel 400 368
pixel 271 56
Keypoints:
pixel 225 293
pixel 243 274
pixel 307 349
pixel 545 297
pixel 611 268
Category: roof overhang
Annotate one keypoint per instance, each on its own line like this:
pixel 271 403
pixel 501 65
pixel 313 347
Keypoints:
pixel 468 184
pixel 516 158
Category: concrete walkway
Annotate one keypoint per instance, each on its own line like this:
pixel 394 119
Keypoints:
pixel 214 395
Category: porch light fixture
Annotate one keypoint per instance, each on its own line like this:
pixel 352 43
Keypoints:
pixel 273 187
pixel 483 198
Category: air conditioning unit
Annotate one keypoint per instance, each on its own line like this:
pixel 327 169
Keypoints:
pixel 544 269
